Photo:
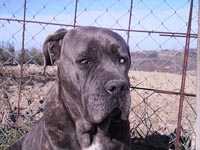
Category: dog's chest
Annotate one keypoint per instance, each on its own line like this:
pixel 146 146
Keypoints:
pixel 96 145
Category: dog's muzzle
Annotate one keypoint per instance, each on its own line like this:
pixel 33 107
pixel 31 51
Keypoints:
pixel 111 103
pixel 116 88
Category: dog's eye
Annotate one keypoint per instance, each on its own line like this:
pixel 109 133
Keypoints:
pixel 122 60
pixel 84 61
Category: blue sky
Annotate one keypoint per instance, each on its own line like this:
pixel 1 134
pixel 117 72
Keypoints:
pixel 157 15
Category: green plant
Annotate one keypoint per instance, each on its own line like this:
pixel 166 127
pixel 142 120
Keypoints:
pixel 9 136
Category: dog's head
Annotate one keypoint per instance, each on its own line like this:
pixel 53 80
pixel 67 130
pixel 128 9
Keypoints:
pixel 93 73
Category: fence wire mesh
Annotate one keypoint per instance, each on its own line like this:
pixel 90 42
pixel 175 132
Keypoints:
pixel 156 32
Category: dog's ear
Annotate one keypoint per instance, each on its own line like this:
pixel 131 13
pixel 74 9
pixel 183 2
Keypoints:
pixel 52 47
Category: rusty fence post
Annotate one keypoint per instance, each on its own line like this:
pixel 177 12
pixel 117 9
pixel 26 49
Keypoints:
pixel 184 72
pixel 21 70
pixel 129 23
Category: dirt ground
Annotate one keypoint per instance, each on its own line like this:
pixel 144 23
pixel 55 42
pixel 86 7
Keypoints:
pixel 150 111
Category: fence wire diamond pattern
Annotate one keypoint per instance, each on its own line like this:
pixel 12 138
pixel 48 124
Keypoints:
pixel 156 32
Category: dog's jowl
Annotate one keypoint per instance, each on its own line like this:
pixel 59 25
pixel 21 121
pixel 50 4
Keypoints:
pixel 88 108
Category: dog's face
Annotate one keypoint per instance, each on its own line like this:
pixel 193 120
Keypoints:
pixel 94 66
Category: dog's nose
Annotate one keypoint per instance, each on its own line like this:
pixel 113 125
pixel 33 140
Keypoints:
pixel 116 87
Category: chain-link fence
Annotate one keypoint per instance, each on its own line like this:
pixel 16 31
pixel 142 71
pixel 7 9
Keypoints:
pixel 162 35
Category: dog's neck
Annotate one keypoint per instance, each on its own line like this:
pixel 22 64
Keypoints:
pixel 58 114
pixel 96 145
pixel 58 122
pixel 84 130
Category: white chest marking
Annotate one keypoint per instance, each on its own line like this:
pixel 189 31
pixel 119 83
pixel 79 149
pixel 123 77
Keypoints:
pixel 96 145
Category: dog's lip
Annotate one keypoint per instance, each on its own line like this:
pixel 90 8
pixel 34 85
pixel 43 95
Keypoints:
pixel 113 109
pixel 113 117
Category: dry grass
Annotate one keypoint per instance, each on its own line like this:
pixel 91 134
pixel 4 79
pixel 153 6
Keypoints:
pixel 150 111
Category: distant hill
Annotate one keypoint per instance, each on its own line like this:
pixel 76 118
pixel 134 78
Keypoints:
pixel 162 61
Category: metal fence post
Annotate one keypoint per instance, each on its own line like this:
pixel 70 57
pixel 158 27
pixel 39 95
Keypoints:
pixel 129 24
pixel 21 71
pixel 184 72
pixel 75 13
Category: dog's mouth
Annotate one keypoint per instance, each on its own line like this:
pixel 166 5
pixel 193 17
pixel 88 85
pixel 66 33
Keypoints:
pixel 113 117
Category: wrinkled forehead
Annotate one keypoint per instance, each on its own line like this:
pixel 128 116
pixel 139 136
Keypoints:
pixel 79 40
